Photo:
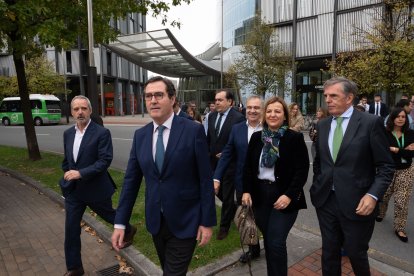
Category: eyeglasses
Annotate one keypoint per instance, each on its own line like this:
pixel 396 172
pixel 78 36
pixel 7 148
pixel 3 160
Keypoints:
pixel 157 95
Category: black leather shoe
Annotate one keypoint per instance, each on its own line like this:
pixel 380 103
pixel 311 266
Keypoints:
pixel 402 238
pixel 222 234
pixel 245 257
pixel 75 272
pixel 129 238
pixel 378 219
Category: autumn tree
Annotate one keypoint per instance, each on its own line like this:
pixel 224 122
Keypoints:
pixel 263 63
pixel 26 26
pixel 41 79
pixel 384 55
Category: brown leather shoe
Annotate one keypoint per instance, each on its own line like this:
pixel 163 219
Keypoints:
pixel 222 234
pixel 129 238
pixel 75 272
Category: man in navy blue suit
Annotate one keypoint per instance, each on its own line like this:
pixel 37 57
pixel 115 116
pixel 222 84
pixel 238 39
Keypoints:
pixel 220 123
pixel 172 154
pixel 236 148
pixel 86 181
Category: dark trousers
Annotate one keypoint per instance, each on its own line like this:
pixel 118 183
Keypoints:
pixel 174 254
pixel 275 227
pixel 338 231
pixel 226 195
pixel 74 211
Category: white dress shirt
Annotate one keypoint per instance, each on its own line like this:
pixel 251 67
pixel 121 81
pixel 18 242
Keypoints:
pixel 78 140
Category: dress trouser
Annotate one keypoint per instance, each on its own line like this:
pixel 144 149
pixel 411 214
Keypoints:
pixel 226 195
pixel 75 209
pixel 275 226
pixel 402 187
pixel 338 231
pixel 174 254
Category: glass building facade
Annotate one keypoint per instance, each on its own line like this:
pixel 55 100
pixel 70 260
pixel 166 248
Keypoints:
pixel 237 19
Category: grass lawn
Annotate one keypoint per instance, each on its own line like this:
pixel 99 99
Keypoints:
pixel 48 172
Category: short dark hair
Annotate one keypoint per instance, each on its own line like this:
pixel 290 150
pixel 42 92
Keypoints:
pixel 378 95
pixel 348 86
pixel 168 83
pixel 394 113
pixel 403 102
pixel 229 93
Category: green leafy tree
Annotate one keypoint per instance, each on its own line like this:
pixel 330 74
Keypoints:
pixel 41 79
pixel 263 62
pixel 384 60
pixel 25 26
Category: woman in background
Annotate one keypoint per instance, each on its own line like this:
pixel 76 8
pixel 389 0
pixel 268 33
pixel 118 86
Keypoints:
pixel 296 118
pixel 320 114
pixel 401 140
pixel 193 114
pixel 276 170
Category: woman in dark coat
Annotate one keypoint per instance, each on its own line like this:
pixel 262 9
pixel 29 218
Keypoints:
pixel 276 170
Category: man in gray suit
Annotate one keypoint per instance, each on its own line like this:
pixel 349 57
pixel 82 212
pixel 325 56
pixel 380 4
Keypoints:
pixel 352 170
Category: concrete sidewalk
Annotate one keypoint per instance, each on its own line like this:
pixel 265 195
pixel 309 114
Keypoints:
pixel 32 234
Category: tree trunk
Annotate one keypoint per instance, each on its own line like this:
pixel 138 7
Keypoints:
pixel 31 139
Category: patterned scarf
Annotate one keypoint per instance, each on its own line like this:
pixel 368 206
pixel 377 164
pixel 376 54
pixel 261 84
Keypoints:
pixel 271 145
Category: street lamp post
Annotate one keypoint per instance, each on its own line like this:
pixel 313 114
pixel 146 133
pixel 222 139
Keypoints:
pixel 92 92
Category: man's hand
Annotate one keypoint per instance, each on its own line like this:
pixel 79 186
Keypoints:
pixel 216 187
pixel 71 175
pixel 203 235
pixel 118 239
pixel 366 205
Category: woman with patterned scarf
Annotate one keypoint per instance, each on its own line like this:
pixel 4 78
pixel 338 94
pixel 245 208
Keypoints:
pixel 276 170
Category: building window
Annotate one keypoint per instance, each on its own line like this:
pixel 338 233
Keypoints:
pixel 109 63
pixel 68 61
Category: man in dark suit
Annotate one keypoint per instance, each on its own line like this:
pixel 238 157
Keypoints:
pixel 220 123
pixel 86 181
pixel 179 112
pixel 236 149
pixel 378 107
pixel 352 170
pixel 172 154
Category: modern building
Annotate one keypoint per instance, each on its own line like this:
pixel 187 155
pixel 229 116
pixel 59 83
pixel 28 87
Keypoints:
pixel 120 81
pixel 313 31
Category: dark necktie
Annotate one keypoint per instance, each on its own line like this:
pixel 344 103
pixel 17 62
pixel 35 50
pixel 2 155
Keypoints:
pixel 159 149
pixel 377 109
pixel 337 138
pixel 218 124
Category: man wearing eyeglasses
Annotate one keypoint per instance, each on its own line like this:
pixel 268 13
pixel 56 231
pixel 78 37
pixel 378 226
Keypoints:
pixel 172 154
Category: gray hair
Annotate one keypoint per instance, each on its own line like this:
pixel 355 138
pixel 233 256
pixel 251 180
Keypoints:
pixel 81 97
pixel 348 86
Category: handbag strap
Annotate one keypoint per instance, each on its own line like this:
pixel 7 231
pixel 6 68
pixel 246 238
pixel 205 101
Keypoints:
pixel 249 210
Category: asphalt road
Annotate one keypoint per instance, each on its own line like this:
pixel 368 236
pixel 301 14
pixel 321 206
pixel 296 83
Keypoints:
pixel 384 244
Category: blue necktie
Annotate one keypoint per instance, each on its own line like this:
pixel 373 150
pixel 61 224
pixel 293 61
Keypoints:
pixel 159 149
pixel 218 125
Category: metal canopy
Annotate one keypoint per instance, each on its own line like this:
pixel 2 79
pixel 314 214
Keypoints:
pixel 160 52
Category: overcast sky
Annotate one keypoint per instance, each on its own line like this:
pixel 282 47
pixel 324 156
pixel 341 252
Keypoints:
pixel 199 24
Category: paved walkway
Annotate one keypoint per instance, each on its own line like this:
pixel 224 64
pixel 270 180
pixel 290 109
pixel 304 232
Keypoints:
pixel 32 234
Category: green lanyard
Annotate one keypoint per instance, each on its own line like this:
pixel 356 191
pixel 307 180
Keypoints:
pixel 398 141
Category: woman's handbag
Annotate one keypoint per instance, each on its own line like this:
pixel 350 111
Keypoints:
pixel 245 223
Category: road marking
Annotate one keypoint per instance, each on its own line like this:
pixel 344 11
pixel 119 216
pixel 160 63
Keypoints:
pixel 42 134
pixel 122 139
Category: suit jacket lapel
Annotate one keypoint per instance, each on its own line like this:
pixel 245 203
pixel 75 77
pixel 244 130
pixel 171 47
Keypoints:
pixel 89 131
pixel 323 135
pixel 177 129
pixel 69 144
pixel 227 122
pixel 350 132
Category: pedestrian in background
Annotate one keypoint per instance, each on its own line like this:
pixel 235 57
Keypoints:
pixel 172 154
pixel 296 119
pixel 352 170
pixel 277 166
pixel 401 143
pixel 220 123
pixel 236 149
pixel 87 156
pixel 313 133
